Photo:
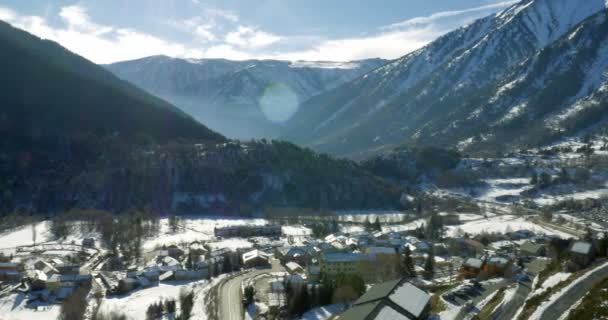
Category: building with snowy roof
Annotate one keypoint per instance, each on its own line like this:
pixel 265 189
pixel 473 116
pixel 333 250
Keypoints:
pixel 392 300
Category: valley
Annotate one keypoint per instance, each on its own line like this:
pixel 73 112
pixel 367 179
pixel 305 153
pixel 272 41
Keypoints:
pixel 465 178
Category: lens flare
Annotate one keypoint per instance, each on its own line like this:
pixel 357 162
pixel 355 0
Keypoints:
pixel 278 102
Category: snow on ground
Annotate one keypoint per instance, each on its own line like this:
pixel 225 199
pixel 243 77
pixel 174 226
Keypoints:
pixel 362 215
pixel 591 194
pixel 232 244
pixel 296 231
pixel 13 307
pixel 547 303
pixel 501 224
pixel 404 227
pixel 450 313
pixel 22 236
pixel 352 228
pixel 552 281
pixel 503 187
pixel 195 229
pixel 135 304
pixel 322 313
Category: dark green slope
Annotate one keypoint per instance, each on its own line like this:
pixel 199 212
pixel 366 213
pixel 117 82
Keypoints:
pixel 47 90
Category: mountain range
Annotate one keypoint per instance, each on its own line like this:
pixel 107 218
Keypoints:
pixel 529 75
pixel 225 95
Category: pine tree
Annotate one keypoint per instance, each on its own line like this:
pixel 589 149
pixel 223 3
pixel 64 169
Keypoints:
pixel 367 225
pixel 429 266
pixel 408 269
pixel 377 226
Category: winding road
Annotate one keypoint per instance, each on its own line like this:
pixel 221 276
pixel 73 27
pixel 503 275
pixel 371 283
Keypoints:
pixel 556 309
pixel 230 295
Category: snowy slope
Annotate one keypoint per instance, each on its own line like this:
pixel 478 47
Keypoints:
pixel 225 94
pixel 450 85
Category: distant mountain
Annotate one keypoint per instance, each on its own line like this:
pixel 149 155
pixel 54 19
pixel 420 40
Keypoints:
pixel 494 84
pixel 48 91
pixel 225 95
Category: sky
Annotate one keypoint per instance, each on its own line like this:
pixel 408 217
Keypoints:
pixel 106 31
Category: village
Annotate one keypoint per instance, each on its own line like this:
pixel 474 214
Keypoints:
pixel 452 266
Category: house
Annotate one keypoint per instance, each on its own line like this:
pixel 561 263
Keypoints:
pixel 333 264
pixel 389 251
pixel 171 251
pixel 249 231
pixel 582 253
pixel 88 242
pixel 9 272
pixel 126 284
pixel 471 268
pixel 313 273
pixel 293 267
pixel 45 267
pixel 8 266
pixel 255 259
pixel 188 275
pixel 532 249
pixel 395 300
pixel 197 249
pixel 466 247
pixel 498 266
pixel 295 254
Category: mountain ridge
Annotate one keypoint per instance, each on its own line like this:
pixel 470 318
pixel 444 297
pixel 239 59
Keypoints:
pixel 393 104
pixel 225 94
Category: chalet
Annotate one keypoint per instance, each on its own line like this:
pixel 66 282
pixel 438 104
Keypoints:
pixel 293 267
pixel 255 258
pixel 532 249
pixel 471 268
pixel 466 247
pixel 581 253
pixel 397 299
pixel 498 266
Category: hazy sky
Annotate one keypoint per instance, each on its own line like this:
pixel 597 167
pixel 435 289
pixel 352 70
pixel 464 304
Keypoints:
pixel 106 31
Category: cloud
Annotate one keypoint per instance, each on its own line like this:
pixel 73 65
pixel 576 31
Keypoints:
pixel 246 37
pixel 447 14
pixel 395 40
pixel 98 43
pixel 221 34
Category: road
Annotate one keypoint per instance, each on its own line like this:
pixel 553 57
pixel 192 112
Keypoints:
pixel 508 311
pixel 575 293
pixel 230 295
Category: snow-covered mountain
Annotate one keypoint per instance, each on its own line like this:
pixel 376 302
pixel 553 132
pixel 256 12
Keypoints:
pixel 514 78
pixel 225 94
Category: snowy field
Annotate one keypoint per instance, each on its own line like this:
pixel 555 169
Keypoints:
pixel 135 304
pixel 13 307
pixel 501 224
pixel 195 229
